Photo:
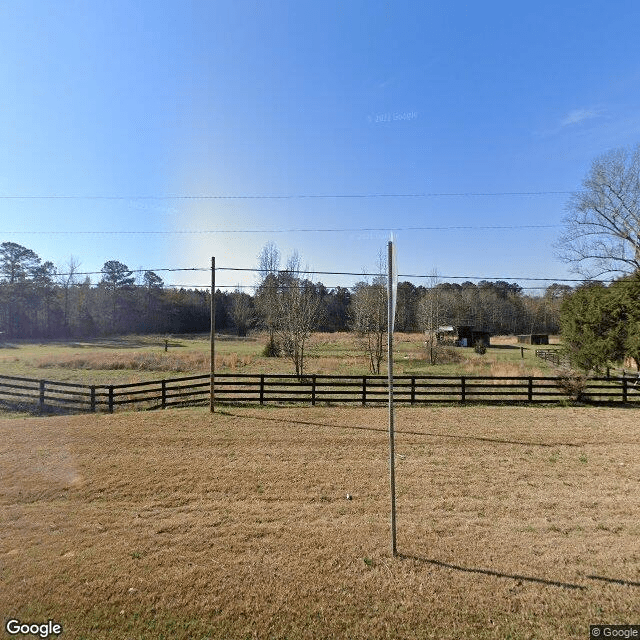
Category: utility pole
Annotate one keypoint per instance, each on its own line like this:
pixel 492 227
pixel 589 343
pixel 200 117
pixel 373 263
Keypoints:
pixel 392 464
pixel 212 395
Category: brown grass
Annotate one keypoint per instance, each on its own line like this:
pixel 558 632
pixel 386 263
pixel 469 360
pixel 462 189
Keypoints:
pixel 189 361
pixel 513 340
pixel 109 360
pixel 512 523
pixel 491 367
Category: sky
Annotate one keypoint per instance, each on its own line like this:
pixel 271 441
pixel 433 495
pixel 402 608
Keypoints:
pixel 161 133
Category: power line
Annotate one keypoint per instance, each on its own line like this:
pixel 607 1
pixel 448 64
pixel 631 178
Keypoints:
pixel 295 230
pixel 95 273
pixel 251 286
pixel 340 273
pixel 300 196
pixel 411 275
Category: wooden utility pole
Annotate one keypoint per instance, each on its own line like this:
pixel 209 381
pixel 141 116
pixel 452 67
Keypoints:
pixel 212 395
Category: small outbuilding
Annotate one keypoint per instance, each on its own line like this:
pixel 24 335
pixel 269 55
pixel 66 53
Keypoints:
pixel 463 336
pixel 470 337
pixel 446 335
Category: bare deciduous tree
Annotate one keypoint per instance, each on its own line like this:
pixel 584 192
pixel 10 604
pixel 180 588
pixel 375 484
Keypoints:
pixel 297 311
pixel 430 317
pixel 602 233
pixel 266 296
pixel 370 319
pixel 241 311
pixel 67 280
pixel 370 316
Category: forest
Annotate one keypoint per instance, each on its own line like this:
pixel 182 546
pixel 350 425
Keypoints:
pixel 40 300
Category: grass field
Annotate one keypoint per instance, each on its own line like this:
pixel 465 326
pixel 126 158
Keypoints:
pixel 512 523
pixel 128 359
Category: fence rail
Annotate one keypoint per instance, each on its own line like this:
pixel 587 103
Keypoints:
pixel 555 356
pixel 48 395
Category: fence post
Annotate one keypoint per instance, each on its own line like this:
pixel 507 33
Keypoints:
pixel 462 389
pixel 530 389
pixel 42 383
pixel 413 389
pixel 93 398
pixel 624 390
pixel 110 398
pixel 164 394
pixel 364 391
pixel 313 390
pixel 262 388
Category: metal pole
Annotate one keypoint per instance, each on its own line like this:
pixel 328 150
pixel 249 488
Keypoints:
pixel 392 468
pixel 212 397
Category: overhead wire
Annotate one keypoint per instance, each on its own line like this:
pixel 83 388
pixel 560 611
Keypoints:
pixel 253 287
pixel 311 272
pixel 298 196
pixel 292 230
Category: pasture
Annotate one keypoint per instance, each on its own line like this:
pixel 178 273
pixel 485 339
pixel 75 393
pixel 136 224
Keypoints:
pixel 127 359
pixel 512 523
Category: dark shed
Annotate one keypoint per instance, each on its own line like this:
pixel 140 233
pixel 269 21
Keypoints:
pixel 534 338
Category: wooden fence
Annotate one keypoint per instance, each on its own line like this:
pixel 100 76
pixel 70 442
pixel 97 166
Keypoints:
pixel 47 395
pixel 553 355
pixel 29 393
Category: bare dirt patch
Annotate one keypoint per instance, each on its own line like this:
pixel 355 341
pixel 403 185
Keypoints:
pixel 519 523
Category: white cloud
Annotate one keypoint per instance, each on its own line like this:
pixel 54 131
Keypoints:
pixel 579 115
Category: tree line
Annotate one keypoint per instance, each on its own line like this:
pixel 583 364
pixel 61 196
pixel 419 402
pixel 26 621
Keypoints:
pixel 38 300
pixel 600 324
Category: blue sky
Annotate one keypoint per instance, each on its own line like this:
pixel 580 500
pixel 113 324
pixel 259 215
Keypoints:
pixel 108 109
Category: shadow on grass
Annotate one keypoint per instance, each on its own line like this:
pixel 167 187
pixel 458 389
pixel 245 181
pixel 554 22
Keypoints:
pixel 115 342
pixel 490 572
pixel 626 583
pixel 403 432
pixel 120 343
pixel 505 346
pixel 33 409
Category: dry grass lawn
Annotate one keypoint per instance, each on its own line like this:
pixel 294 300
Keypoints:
pixel 512 523
pixel 138 358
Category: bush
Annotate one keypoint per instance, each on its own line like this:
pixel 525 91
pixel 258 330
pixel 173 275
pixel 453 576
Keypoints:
pixel 440 354
pixel 271 349
pixel 573 384
pixel 480 348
